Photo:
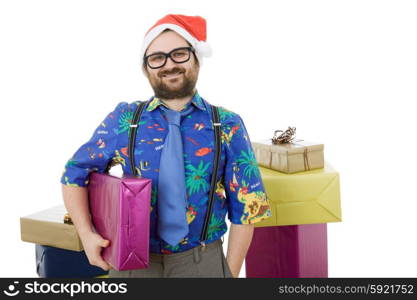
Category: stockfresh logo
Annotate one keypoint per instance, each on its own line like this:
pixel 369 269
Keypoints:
pixel 12 290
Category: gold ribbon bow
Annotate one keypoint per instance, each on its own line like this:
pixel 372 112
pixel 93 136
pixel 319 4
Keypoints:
pixel 286 136
pixel 67 219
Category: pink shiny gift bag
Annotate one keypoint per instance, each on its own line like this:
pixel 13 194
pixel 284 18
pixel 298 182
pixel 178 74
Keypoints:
pixel 294 251
pixel 120 209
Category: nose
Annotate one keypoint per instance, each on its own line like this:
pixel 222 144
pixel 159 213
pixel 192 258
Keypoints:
pixel 170 63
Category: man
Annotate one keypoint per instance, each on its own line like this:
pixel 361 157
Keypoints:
pixel 172 55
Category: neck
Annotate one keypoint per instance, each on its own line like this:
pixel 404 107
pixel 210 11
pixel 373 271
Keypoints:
pixel 177 103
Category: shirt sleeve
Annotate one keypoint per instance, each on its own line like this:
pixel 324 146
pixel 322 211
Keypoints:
pixel 245 194
pixel 95 154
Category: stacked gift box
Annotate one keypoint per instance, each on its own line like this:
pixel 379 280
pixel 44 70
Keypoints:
pixel 58 248
pixel 304 194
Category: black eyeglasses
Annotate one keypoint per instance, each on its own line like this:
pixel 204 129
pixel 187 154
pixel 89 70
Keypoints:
pixel 177 55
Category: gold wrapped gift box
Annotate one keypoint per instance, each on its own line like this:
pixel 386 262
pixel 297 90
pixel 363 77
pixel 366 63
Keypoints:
pixel 47 228
pixel 309 197
pixel 291 157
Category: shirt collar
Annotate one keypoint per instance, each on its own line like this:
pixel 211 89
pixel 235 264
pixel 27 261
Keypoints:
pixel 196 100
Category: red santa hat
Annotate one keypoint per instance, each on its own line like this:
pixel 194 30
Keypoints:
pixel 191 28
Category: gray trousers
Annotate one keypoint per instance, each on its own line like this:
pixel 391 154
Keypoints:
pixel 195 262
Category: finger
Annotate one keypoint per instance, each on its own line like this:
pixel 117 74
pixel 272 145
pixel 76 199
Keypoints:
pixel 105 243
pixel 98 262
pixel 102 264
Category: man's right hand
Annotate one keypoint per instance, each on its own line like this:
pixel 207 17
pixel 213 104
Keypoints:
pixel 76 203
pixel 92 243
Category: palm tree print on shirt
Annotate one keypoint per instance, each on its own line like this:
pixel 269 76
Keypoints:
pixel 125 121
pixel 248 161
pixel 196 178
pixel 71 162
pixel 225 113
pixel 214 227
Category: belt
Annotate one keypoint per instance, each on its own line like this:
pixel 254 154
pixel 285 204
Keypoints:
pixel 156 257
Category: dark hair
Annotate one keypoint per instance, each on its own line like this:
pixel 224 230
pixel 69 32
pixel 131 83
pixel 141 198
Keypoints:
pixel 189 44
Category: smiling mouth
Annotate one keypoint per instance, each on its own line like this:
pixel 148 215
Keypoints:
pixel 172 75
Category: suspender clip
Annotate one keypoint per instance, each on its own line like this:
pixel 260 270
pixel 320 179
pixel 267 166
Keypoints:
pixel 203 245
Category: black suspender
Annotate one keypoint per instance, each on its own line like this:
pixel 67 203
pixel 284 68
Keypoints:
pixel 132 136
pixel 216 125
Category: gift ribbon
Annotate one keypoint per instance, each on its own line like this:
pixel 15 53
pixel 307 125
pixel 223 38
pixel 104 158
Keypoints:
pixel 67 219
pixel 306 161
pixel 287 137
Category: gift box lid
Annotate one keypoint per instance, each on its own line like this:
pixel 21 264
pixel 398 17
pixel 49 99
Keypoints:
pixel 54 214
pixel 296 147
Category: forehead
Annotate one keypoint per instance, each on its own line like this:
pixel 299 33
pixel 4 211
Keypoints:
pixel 166 41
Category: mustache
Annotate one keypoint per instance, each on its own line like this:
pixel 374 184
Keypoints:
pixel 169 72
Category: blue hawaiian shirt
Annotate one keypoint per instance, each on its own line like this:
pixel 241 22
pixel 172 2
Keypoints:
pixel 239 194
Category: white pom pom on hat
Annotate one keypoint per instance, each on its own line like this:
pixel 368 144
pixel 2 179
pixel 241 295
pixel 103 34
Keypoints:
pixel 191 28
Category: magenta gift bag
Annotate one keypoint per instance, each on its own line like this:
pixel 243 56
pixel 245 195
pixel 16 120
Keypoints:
pixel 295 251
pixel 120 209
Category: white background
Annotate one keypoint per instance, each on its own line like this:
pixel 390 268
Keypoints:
pixel 343 72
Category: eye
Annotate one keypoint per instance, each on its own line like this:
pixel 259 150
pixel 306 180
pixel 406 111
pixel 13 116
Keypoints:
pixel 156 58
pixel 180 53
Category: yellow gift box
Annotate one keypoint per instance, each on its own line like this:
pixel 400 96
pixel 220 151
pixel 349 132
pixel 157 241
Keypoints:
pixel 308 197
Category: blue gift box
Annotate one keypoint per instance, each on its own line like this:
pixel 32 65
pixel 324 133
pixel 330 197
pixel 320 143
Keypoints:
pixel 56 262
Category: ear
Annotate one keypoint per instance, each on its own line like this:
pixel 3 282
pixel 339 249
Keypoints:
pixel 145 70
pixel 196 61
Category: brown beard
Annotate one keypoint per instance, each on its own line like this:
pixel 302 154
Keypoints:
pixel 186 89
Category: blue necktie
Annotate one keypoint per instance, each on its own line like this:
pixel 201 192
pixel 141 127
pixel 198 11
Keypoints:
pixel 172 202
